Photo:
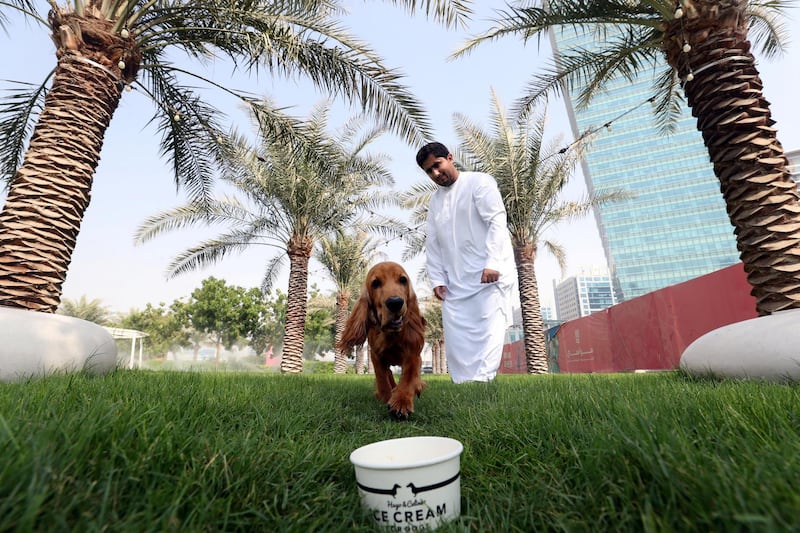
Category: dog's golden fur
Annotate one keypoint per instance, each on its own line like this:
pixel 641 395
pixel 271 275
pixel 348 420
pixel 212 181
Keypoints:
pixel 387 316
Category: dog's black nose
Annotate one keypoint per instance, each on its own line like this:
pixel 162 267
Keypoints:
pixel 394 304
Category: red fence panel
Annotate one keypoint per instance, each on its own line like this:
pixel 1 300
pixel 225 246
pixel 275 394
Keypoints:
pixel 513 360
pixel 653 330
pixel 584 344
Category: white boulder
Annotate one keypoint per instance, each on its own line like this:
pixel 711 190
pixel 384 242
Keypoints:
pixel 37 344
pixel 766 347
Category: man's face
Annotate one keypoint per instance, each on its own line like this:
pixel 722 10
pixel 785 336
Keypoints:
pixel 440 169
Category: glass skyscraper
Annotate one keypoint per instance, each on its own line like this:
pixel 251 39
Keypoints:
pixel 675 227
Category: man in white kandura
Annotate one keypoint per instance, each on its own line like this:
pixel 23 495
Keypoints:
pixel 470 264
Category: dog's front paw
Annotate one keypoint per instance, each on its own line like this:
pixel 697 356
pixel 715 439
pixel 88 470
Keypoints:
pixel 398 415
pixel 400 407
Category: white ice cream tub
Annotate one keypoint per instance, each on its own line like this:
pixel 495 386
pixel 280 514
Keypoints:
pixel 410 483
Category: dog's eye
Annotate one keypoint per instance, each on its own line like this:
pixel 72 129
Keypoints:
pixel 403 280
pixel 376 283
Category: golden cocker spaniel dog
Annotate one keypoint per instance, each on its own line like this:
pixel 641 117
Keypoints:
pixel 387 316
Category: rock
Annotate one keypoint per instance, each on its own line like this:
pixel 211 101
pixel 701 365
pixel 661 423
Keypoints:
pixel 37 344
pixel 766 347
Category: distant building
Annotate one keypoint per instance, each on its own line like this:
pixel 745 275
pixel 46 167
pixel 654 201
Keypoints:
pixel 549 317
pixel 794 164
pixel 515 333
pixel 590 291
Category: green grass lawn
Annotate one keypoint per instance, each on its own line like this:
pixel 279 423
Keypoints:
pixel 180 451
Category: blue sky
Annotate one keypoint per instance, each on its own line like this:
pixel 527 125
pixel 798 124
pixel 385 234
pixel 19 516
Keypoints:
pixel 133 181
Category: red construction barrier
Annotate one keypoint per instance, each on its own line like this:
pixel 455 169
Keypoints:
pixel 513 361
pixel 652 331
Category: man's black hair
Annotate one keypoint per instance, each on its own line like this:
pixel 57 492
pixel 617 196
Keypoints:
pixel 435 148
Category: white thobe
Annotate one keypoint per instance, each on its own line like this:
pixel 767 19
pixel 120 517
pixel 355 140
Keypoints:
pixel 466 233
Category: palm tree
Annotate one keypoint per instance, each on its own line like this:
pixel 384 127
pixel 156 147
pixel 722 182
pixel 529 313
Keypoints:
pixel 91 310
pixel 434 334
pixel 292 202
pixel 531 174
pixel 705 43
pixel 346 257
pixel 106 46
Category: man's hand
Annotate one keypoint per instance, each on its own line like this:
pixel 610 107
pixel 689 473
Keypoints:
pixel 439 291
pixel 489 275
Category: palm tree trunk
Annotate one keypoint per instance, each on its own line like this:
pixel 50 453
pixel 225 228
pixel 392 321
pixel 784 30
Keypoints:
pixel 532 322
pixel 360 363
pixel 340 360
pixel 299 251
pixel 49 194
pixel 724 90
pixel 443 357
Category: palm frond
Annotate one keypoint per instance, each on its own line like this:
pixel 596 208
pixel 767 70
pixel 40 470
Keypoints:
pixel 670 103
pixel 416 199
pixel 452 13
pixel 207 253
pixel 525 22
pixel 586 72
pixel 414 245
pixel 768 29
pixel 190 133
pixel 371 170
pixel 25 7
pixel 274 267
pixel 386 226
pixel 528 22
pixel 19 111
pixel 221 211
pixel 364 138
pixel 558 252
pixel 476 145
pixel 574 210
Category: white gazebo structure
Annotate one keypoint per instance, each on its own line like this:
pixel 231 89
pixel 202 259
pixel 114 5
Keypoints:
pixel 133 335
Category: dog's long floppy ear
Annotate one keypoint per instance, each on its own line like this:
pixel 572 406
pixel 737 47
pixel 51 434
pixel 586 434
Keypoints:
pixel 355 331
